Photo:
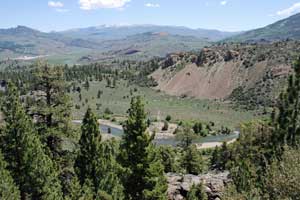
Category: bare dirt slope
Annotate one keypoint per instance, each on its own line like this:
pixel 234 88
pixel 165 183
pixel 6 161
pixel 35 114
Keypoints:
pixel 251 71
pixel 198 82
pixel 216 82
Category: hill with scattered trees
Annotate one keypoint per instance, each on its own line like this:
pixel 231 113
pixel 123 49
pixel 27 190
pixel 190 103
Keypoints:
pixel 249 74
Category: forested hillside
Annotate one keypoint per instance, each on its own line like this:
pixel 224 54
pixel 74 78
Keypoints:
pixel 54 158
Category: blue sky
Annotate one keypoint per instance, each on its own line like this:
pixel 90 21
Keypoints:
pixel 229 15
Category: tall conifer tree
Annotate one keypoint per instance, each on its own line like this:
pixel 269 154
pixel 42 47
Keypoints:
pixel 33 171
pixel 89 143
pixel 287 122
pixel 52 108
pixel 96 161
pixel 144 172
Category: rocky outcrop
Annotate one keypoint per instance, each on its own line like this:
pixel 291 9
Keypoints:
pixel 179 185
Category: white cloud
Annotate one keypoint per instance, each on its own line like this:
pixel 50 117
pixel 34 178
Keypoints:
pixel 223 3
pixel 96 4
pixel 152 5
pixel 62 10
pixel 289 11
pixel 55 4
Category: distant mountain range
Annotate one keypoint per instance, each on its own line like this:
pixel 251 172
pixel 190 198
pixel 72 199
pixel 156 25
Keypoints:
pixel 105 32
pixel 138 41
pixel 149 44
pixel 144 41
pixel 24 41
pixel 288 28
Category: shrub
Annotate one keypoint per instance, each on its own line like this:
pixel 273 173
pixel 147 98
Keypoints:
pixel 107 111
pixel 77 107
pixel 166 126
pixel 198 127
pixel 168 118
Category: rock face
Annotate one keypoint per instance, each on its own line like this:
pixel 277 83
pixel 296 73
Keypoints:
pixel 179 185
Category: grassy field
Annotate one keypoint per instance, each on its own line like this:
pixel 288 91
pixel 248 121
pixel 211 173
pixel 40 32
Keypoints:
pixel 158 105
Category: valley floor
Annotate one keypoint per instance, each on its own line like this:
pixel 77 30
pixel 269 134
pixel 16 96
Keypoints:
pixel 158 105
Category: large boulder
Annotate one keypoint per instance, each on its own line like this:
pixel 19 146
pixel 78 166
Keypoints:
pixel 214 183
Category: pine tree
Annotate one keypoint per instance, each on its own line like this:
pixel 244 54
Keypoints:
pixel 283 176
pixel 135 156
pixel 52 108
pixel 33 171
pixel 197 193
pixel 97 160
pixel 198 127
pixel 134 146
pixel 249 158
pixel 220 157
pixel 225 156
pixel 86 85
pixel 41 175
pixel 114 82
pixel 168 157
pixel 155 180
pixel 99 94
pixel 192 160
pixel 215 158
pixel 287 122
pixel 89 142
pixel 108 82
pixel 185 137
pixel 109 171
pixel 8 189
pixel 51 112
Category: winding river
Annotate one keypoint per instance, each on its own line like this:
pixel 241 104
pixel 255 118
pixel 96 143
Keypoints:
pixel 172 141
pixel 118 132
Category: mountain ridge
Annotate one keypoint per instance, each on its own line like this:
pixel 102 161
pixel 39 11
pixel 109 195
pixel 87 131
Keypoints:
pixel 127 40
pixel 23 41
pixel 118 32
pixel 288 28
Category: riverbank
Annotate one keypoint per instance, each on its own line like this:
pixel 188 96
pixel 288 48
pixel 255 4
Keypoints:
pixel 109 123
pixel 209 145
